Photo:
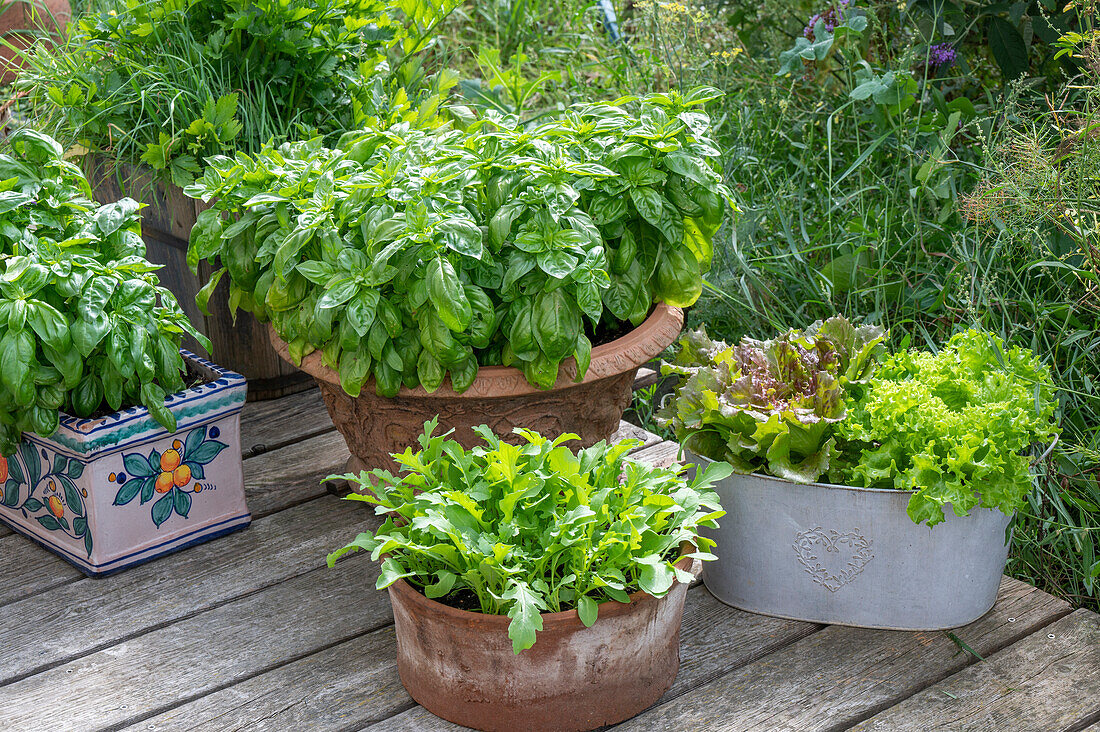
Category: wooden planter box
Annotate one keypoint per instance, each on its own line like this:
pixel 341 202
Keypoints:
pixel 116 491
pixel 166 228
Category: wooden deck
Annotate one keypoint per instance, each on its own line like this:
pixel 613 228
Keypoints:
pixel 252 632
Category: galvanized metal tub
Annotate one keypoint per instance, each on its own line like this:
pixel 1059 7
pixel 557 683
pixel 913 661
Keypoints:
pixel 851 556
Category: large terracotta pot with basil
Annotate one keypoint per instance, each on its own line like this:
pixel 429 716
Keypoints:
pixel 500 397
pixel 491 275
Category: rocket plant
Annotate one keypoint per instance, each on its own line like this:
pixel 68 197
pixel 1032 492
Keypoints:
pixel 536 527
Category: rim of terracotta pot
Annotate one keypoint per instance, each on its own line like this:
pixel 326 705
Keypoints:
pixel 630 351
pixel 550 621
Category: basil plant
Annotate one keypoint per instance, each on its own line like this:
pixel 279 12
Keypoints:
pixel 771 406
pixel 519 530
pixel 85 327
pixel 407 256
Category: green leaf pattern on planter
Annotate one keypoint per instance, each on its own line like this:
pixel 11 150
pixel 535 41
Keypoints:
pixel 42 488
pixel 171 477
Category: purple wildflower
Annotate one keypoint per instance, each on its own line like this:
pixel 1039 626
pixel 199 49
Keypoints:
pixel 942 55
pixel 832 18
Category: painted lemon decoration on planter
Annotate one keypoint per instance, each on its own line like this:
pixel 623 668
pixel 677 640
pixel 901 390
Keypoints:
pixel 56 507
pixel 164 483
pixel 170 474
pixel 181 476
pixel 170 460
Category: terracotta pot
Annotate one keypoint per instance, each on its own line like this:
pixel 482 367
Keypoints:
pixel 460 666
pixel 500 397
pixel 21 22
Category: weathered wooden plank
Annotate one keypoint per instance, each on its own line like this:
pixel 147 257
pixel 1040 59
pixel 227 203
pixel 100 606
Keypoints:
pixel 201 654
pixel 714 639
pixel 634 432
pixel 646 377
pixel 348 685
pixel 271 424
pixel 5 531
pixel 1048 681
pixel 27 569
pixel 80 617
pixel 839 676
pixel 293 474
pixel 416 719
pixel 661 454
pixel 356 684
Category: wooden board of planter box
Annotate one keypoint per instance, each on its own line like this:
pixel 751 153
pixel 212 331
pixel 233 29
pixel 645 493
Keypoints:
pixel 253 632
pixel 242 346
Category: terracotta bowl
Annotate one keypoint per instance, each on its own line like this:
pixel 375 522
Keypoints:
pixel 500 397
pixel 22 22
pixel 460 666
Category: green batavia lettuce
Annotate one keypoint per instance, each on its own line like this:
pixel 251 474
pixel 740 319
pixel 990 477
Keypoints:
pixel 956 427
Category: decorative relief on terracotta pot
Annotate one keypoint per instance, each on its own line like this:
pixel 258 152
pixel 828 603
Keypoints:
pixel 375 426
pixel 814 547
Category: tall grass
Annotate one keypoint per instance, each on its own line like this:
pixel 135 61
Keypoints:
pixel 856 207
pixel 170 82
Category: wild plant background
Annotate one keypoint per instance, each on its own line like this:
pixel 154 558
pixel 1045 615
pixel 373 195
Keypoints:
pixel 927 164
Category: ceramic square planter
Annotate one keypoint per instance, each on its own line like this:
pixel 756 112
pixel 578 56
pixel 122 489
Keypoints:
pixel 108 493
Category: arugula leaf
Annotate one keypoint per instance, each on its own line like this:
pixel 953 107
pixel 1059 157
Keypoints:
pixel 525 615
pixel 534 527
